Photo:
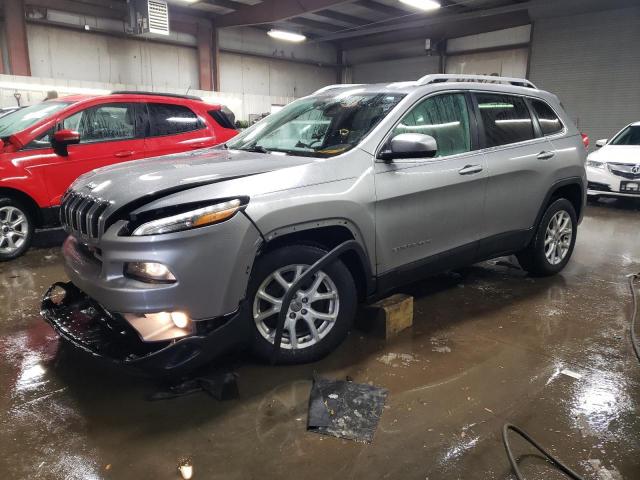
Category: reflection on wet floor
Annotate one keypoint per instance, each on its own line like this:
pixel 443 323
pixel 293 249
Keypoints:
pixel 489 345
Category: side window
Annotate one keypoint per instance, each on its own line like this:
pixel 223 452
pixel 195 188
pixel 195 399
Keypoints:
pixel 506 119
pixel 167 119
pixel 43 141
pixel 445 118
pixel 549 121
pixel 111 121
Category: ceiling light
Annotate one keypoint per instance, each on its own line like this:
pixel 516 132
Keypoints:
pixel 287 36
pixel 422 4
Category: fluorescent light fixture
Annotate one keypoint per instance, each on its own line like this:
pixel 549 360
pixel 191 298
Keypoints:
pixel 287 36
pixel 425 5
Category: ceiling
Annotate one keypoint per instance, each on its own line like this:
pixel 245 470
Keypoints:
pixel 349 22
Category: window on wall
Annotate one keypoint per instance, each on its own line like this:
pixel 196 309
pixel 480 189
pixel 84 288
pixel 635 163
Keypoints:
pixel 445 118
pixel 112 121
pixel 168 119
pixel 506 119
pixel 549 121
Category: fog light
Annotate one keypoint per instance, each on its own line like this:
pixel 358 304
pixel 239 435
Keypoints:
pixel 180 319
pixel 150 272
pixel 154 327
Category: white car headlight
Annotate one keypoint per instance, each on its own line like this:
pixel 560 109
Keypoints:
pixel 187 220
pixel 596 164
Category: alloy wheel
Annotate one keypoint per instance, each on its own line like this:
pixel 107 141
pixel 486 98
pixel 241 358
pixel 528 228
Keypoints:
pixel 311 314
pixel 14 229
pixel 557 239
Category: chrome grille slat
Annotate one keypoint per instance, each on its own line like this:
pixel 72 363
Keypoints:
pixel 81 215
pixel 624 170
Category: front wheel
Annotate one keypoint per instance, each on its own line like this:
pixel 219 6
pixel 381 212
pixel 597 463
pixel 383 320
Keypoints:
pixel 553 242
pixel 16 229
pixel 320 314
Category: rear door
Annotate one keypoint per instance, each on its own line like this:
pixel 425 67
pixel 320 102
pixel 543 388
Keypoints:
pixel 431 207
pixel 519 173
pixel 175 128
pixel 109 134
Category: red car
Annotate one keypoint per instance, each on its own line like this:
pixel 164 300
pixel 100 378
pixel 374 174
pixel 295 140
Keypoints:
pixel 45 147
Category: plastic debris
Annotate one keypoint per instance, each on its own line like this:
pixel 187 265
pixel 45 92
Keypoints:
pixel 185 467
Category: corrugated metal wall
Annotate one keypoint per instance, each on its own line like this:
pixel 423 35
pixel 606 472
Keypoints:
pixel 395 70
pixel 592 62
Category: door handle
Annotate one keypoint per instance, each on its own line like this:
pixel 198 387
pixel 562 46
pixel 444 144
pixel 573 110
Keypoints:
pixel 470 169
pixel 124 154
pixel 545 155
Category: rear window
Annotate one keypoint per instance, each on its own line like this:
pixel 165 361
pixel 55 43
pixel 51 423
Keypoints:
pixel 168 119
pixel 549 121
pixel 223 118
pixel 506 119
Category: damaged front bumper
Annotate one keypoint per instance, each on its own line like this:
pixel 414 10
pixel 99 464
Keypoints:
pixel 88 326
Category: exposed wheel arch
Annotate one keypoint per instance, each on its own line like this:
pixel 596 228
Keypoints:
pixel 327 235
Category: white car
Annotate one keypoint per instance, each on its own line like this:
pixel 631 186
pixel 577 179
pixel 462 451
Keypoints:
pixel 614 169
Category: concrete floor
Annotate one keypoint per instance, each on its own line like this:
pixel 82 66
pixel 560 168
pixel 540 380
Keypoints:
pixel 487 348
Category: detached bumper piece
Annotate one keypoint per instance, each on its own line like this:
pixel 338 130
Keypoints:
pixel 86 325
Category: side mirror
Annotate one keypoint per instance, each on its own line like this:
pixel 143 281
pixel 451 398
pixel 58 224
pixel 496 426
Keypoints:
pixel 62 139
pixel 410 145
pixel 602 142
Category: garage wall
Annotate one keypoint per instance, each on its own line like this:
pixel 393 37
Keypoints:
pixel 264 76
pixel 68 54
pixel 507 63
pixel 592 62
pixel 403 69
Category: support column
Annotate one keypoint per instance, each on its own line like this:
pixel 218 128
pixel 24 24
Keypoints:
pixel 16 37
pixel 208 62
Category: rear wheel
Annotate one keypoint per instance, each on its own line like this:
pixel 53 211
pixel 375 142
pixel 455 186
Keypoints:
pixel 320 314
pixel 16 229
pixel 553 242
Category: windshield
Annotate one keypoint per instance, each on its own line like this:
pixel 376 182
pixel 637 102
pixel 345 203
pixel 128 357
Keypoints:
pixel 321 126
pixel 628 136
pixel 25 117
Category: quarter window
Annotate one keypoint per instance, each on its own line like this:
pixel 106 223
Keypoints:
pixel 168 119
pixel 111 121
pixel 506 119
pixel 549 121
pixel 445 118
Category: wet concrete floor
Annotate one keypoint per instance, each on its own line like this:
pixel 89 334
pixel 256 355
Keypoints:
pixel 487 347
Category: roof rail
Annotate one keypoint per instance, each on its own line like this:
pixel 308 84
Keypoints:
pixel 337 85
pixel 158 94
pixel 520 82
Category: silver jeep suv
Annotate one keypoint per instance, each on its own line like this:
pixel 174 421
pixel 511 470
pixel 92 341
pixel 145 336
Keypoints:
pixel 273 238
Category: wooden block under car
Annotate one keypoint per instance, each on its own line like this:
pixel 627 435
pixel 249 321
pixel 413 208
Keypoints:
pixel 387 317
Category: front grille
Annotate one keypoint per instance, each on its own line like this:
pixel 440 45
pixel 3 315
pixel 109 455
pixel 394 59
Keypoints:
pixel 625 171
pixel 80 214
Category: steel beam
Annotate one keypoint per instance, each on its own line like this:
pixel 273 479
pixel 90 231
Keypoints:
pixel 205 55
pixel 16 35
pixel 341 17
pixel 273 11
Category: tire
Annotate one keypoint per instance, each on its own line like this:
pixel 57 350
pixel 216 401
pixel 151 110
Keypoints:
pixel 534 258
pixel 15 238
pixel 290 261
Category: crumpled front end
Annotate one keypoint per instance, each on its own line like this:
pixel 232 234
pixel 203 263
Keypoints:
pixel 109 337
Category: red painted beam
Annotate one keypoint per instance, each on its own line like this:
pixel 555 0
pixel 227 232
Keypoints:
pixel 269 11
pixel 16 35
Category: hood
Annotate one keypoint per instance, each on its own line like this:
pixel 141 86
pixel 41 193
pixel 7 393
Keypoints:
pixel 629 154
pixel 123 183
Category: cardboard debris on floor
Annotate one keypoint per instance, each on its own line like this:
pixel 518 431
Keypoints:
pixel 345 409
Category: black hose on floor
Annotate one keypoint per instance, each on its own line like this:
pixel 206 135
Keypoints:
pixel 634 315
pixel 514 465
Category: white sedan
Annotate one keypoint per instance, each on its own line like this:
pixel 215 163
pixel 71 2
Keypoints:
pixel 613 170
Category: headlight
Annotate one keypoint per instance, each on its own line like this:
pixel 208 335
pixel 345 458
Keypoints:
pixel 596 164
pixel 193 219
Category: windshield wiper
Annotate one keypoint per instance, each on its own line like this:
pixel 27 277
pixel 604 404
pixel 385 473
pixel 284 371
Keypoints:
pixel 255 148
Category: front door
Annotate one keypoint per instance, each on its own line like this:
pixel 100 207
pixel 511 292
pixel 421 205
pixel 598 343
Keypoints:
pixel 428 209
pixel 108 135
